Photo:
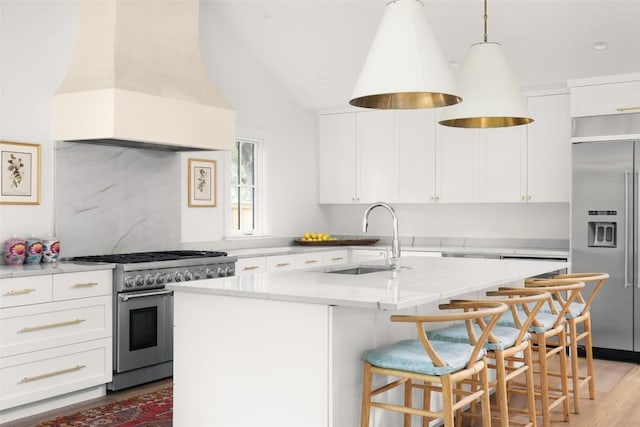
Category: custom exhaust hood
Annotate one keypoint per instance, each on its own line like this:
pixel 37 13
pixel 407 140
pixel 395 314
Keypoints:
pixel 136 79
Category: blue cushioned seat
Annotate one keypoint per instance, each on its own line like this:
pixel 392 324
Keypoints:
pixel 575 309
pixel 410 355
pixel 458 333
pixel 546 320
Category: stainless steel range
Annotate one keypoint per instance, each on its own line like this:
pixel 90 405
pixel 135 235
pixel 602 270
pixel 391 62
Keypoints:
pixel 143 308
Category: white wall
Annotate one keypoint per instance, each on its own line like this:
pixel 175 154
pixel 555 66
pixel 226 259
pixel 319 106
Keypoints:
pixel 36 40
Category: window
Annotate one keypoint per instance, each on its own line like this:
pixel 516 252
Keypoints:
pixel 244 187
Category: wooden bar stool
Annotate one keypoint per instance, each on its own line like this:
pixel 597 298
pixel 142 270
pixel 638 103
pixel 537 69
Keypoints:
pixel 579 313
pixel 433 366
pixel 508 350
pixel 548 337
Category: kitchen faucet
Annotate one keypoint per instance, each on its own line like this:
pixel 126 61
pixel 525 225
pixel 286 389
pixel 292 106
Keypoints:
pixel 395 244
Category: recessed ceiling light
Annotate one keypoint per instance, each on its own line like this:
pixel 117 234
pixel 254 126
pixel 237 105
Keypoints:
pixel 599 46
pixel 455 64
pixel 267 18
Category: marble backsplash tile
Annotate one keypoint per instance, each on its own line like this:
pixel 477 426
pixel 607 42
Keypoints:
pixel 113 199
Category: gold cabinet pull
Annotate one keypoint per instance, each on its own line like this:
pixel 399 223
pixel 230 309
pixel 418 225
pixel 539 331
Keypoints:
pixel 283 264
pixel 85 285
pixel 19 292
pixel 620 110
pixel 250 267
pixel 51 374
pixel 311 261
pixel 51 325
pixel 338 258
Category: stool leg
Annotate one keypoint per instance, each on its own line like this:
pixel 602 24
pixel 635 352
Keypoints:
pixel 575 370
pixel 501 388
pixel 426 404
pixel 366 396
pixel 564 376
pixel 531 397
pixel 485 402
pixel 408 390
pixel 588 349
pixel 544 384
pixel 447 400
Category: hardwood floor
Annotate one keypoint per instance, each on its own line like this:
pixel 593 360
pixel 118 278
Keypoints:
pixel 617 388
pixel 110 397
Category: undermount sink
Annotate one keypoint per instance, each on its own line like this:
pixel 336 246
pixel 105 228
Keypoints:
pixel 362 269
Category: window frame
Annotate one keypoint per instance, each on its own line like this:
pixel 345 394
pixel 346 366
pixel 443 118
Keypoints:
pixel 258 139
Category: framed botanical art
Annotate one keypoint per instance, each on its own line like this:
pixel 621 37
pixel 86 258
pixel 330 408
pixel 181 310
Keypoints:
pixel 202 183
pixel 19 173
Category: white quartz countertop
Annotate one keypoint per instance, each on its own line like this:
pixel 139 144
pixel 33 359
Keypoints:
pixel 9 271
pixel 419 280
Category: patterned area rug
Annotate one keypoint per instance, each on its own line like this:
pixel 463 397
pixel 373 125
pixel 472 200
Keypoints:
pixel 154 409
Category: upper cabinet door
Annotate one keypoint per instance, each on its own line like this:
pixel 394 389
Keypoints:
pixel 503 164
pixel 337 158
pixel 457 164
pixel 549 149
pixel 376 156
pixel 607 98
pixel 416 156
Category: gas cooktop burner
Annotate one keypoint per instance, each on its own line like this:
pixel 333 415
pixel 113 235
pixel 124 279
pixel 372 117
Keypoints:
pixel 136 257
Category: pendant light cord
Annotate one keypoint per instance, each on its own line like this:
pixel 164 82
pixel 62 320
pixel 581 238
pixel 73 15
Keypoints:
pixel 485 21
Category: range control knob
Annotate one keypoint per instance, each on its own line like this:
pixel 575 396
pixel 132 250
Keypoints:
pixel 188 275
pixel 160 278
pixel 178 277
pixel 209 273
pixel 196 275
pixel 139 281
pixel 149 279
pixel 129 282
pixel 220 272
pixel 228 271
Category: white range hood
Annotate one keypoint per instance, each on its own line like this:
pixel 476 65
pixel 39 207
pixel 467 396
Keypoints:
pixel 136 79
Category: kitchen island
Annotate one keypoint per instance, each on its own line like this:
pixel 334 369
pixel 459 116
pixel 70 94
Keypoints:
pixel 285 349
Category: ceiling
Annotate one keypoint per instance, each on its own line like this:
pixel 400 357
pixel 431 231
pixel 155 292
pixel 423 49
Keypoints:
pixel 315 48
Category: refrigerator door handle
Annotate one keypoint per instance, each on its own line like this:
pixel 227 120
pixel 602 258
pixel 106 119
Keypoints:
pixel 626 231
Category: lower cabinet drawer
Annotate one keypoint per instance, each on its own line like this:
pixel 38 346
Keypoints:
pixel 39 375
pixel 82 284
pixel 18 291
pixel 36 327
pixel 337 257
pixel 280 263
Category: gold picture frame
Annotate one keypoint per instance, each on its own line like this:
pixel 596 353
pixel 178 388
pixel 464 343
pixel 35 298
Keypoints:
pixel 202 183
pixel 19 173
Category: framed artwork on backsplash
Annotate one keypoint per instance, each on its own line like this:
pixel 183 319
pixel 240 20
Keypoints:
pixel 202 183
pixel 19 173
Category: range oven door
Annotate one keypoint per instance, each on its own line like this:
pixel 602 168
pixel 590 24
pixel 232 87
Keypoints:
pixel 144 329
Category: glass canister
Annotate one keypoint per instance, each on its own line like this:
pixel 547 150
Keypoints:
pixel 14 251
pixel 50 249
pixel 34 250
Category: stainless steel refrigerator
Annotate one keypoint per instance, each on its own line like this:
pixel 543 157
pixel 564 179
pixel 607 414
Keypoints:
pixel 605 230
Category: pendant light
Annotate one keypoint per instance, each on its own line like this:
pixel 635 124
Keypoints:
pixel 491 93
pixel 405 68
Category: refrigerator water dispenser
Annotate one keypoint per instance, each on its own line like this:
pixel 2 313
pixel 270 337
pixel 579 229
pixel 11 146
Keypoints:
pixel 602 234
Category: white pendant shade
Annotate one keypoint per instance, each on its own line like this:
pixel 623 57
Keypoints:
pixel 490 91
pixel 405 68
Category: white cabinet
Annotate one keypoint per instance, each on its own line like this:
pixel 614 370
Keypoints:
pixel 309 260
pixel 337 158
pixel 503 164
pixel 618 94
pixel 251 265
pixel 356 156
pixel 457 164
pixel 549 149
pixel 364 255
pixel 55 336
pixel 280 263
pixel 336 257
pixel 416 176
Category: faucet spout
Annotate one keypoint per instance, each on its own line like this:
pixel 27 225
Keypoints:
pixel 395 243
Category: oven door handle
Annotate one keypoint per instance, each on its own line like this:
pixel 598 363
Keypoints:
pixel 126 296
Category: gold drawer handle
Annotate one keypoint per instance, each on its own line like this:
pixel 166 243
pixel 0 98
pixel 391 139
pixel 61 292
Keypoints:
pixel 20 292
pixel 252 267
pixel 283 264
pixel 51 325
pixel 51 374
pixel 620 110
pixel 311 261
pixel 85 285
pixel 339 258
